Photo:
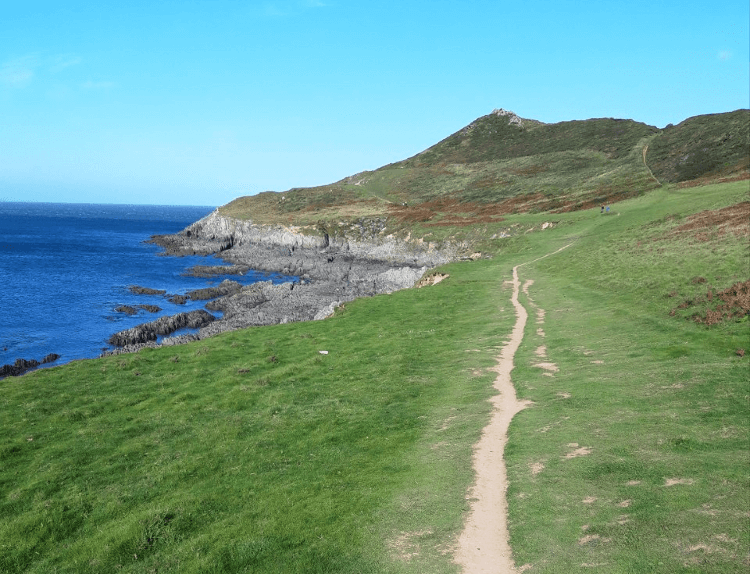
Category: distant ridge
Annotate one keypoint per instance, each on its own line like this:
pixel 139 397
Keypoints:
pixel 504 135
pixel 502 163
pixel 716 145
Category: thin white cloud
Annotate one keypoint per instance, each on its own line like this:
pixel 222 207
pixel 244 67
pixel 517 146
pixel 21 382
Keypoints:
pixel 62 61
pixel 724 55
pixel 275 10
pixel 21 71
pixel 18 72
pixel 284 8
pixel 90 85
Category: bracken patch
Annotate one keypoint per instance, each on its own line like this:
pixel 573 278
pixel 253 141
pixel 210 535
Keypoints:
pixel 447 211
pixel 732 219
pixel 717 306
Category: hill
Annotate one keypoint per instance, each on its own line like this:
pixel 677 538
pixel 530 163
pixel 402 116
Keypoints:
pixel 502 164
pixel 345 445
pixel 702 148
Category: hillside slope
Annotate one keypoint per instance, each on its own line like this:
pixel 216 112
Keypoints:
pixel 716 145
pixel 345 446
pixel 502 164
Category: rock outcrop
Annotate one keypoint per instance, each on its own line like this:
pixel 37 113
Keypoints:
pixel 147 332
pixel 138 290
pixel 22 365
pixel 127 309
pixel 130 310
pixel 214 270
pixel 224 288
pixel 331 265
pixel 274 247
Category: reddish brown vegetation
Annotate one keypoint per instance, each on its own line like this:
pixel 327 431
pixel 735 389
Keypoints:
pixel 734 219
pixel 563 204
pixel 709 180
pixel 352 204
pixel 732 302
pixel 448 211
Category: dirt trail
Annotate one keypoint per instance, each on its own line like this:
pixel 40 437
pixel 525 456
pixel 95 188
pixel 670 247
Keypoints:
pixel 651 173
pixel 483 546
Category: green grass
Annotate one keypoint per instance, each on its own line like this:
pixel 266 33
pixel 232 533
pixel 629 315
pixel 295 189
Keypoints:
pixel 252 452
pixel 657 399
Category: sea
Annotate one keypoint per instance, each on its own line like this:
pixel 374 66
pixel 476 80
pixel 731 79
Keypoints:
pixel 65 267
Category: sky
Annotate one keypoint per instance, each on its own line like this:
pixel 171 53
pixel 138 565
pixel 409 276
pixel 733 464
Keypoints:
pixel 196 102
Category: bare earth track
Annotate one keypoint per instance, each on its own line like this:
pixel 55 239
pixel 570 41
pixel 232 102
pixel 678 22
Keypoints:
pixel 483 546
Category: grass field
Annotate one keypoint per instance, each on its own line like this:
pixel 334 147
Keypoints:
pixel 635 457
pixel 253 452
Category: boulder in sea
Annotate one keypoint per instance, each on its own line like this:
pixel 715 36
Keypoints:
pixel 127 309
pixel 138 290
pixel 51 358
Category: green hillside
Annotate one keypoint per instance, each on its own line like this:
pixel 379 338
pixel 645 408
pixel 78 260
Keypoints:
pixel 502 164
pixel 252 452
pixel 345 446
pixel 503 135
pixel 710 146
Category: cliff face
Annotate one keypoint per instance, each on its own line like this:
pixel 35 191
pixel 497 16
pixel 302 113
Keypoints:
pixel 363 240
pixel 332 266
pixel 227 231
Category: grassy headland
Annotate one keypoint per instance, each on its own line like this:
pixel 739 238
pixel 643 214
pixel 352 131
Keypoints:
pixel 254 452
pixel 501 164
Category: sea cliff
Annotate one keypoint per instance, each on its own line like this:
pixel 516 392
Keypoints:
pixel 364 239
pixel 332 263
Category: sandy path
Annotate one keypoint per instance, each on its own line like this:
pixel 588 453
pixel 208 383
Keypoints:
pixel 483 546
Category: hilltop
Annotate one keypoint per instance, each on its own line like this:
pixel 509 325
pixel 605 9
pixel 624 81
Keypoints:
pixel 347 444
pixel 502 163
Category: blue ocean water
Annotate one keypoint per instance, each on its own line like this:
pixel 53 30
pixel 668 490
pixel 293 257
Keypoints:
pixel 65 267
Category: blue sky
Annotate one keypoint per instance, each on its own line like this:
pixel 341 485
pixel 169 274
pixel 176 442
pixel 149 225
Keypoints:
pixel 196 102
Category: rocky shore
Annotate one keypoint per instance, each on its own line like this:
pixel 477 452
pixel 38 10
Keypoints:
pixel 22 365
pixel 151 331
pixel 332 267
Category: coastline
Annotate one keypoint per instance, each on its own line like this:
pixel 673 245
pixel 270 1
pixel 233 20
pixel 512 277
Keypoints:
pixel 359 261
pixel 65 271
pixel 330 271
